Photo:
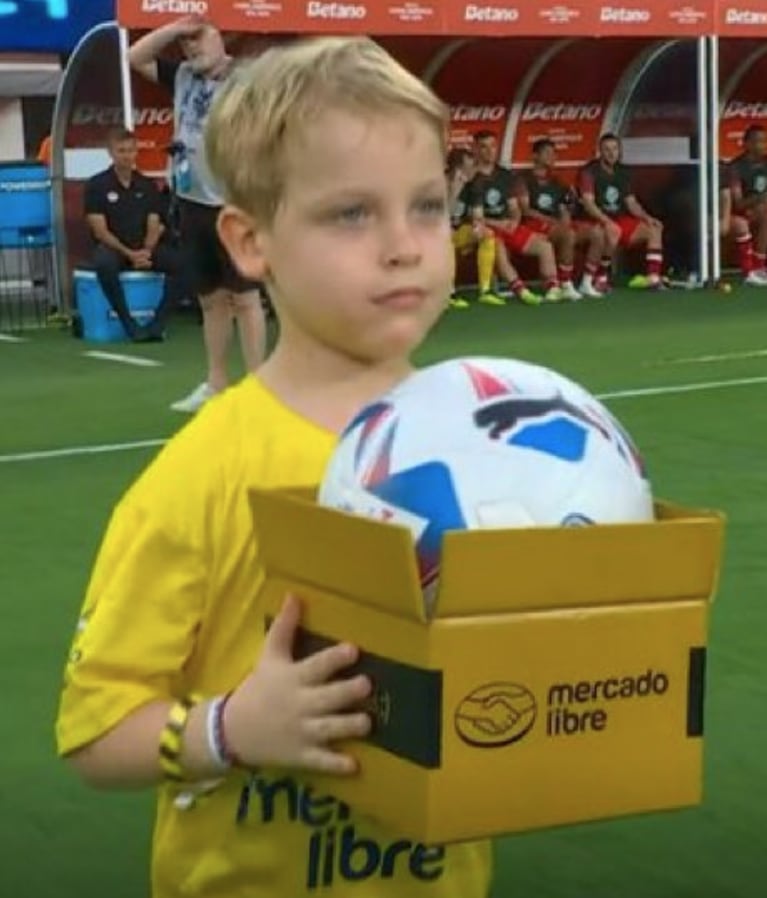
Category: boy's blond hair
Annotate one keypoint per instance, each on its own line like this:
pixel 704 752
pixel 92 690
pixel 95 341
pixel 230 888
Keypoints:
pixel 268 100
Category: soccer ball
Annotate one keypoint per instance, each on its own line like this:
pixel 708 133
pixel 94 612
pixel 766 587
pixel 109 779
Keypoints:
pixel 486 443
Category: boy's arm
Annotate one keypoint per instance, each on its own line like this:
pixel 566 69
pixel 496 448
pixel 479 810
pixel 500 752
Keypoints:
pixel 285 713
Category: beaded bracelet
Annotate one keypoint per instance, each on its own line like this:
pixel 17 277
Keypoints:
pixel 172 736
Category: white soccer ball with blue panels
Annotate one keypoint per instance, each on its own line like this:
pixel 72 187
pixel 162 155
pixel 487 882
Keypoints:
pixel 486 443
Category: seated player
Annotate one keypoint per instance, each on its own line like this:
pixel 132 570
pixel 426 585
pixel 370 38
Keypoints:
pixel 493 206
pixel 747 183
pixel 607 198
pixel 545 202
pixel 737 227
pixel 467 237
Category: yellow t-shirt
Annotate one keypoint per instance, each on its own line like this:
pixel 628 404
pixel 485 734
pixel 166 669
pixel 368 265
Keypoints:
pixel 172 609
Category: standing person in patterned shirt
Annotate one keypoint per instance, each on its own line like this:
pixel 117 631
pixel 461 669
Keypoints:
pixel 495 207
pixel 490 252
pixel 546 203
pixel 748 186
pixel 607 197
pixel 225 296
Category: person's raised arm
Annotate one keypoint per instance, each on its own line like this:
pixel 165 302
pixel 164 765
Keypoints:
pixel 143 55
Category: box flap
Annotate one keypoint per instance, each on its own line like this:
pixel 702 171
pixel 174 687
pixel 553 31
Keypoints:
pixel 341 553
pixel 485 572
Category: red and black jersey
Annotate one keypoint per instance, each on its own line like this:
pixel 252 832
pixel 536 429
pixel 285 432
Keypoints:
pixel 609 187
pixel 749 175
pixel 545 192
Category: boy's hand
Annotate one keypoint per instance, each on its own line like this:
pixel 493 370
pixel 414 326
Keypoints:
pixel 287 713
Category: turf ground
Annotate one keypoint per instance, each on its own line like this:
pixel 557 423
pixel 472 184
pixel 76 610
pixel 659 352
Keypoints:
pixel 703 428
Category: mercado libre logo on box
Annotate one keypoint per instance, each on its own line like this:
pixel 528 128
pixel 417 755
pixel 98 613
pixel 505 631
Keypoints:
pixel 499 714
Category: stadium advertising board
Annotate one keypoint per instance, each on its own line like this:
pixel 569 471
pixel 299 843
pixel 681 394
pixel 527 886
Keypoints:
pixel 457 17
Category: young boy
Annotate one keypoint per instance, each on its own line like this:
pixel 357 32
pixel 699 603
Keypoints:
pixel 332 160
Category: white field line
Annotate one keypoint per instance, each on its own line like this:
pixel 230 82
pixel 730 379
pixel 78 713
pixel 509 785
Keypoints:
pixel 677 389
pixel 136 360
pixel 671 390
pixel 720 357
pixel 80 450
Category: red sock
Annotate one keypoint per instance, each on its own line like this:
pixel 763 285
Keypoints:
pixel 606 266
pixel 517 286
pixel 591 268
pixel 745 247
pixel 654 260
pixel 551 284
pixel 760 261
pixel 565 273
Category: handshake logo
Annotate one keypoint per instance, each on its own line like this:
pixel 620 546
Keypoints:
pixel 496 714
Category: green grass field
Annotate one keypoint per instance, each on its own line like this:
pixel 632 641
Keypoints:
pixel 704 446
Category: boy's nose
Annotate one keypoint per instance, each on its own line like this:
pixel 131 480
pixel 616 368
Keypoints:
pixel 401 247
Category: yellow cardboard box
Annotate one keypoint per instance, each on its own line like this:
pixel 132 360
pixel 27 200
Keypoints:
pixel 560 679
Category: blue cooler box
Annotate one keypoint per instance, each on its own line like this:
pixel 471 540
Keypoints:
pixel 25 204
pixel 143 292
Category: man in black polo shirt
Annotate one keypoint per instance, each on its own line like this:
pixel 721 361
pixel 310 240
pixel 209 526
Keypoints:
pixel 122 208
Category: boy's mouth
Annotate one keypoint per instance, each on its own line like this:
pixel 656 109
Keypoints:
pixel 402 298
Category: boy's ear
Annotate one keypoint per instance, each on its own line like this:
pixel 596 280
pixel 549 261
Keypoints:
pixel 241 238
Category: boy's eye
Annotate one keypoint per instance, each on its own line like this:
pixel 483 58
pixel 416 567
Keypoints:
pixel 435 205
pixel 351 215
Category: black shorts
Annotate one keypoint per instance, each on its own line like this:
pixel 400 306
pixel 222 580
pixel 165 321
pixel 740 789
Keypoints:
pixel 207 262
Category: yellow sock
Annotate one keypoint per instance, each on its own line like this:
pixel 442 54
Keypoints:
pixel 485 262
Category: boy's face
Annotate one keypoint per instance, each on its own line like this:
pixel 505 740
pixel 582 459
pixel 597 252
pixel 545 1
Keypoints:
pixel 359 254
